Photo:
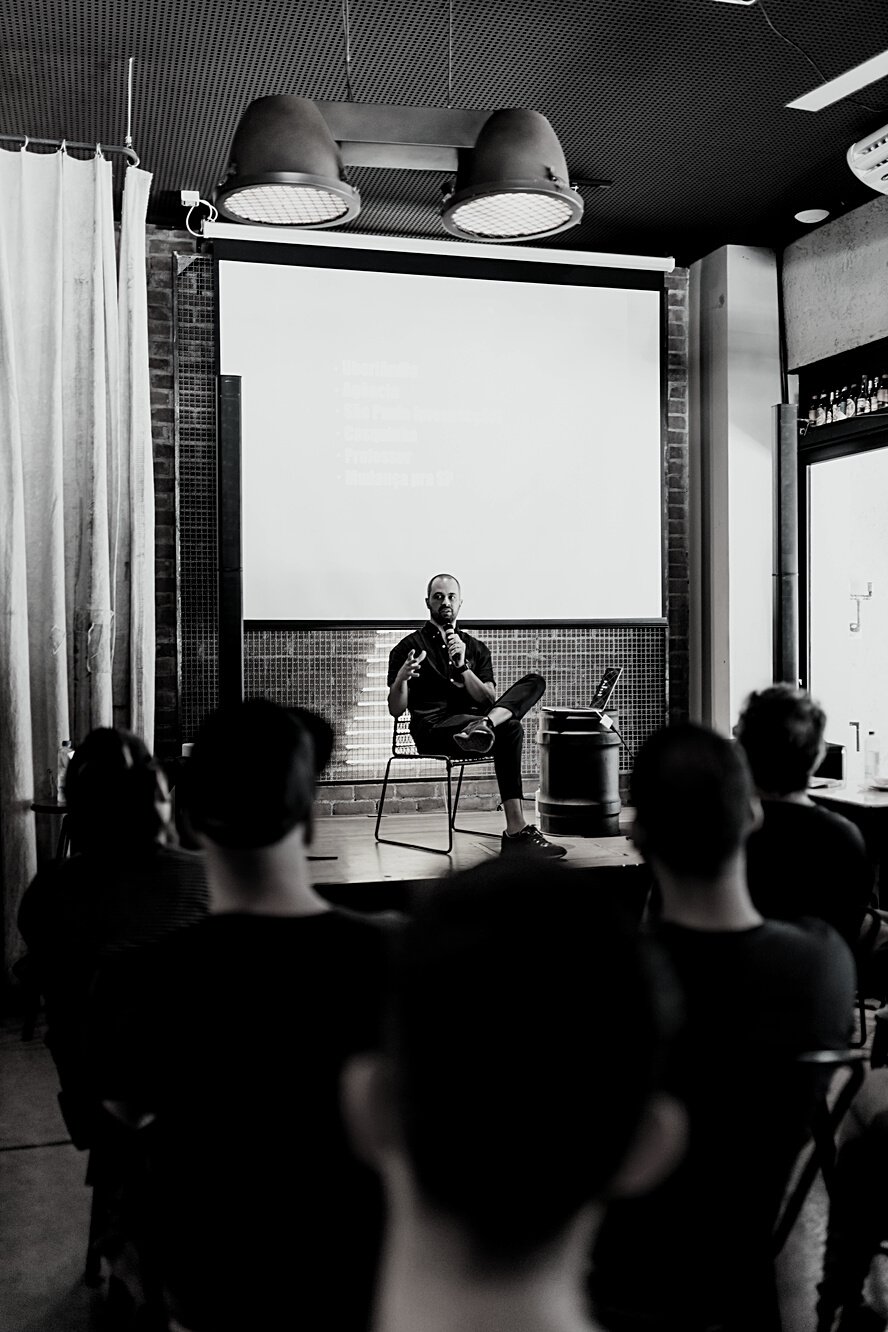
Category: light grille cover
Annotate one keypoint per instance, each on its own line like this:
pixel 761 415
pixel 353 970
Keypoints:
pixel 286 168
pixel 287 205
pixel 512 216
pixel 513 184
pixel 868 159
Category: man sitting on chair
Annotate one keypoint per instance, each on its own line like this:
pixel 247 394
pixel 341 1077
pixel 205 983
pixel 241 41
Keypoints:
pixel 446 679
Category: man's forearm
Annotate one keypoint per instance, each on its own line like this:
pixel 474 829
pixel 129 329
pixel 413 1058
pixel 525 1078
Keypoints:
pixel 477 690
pixel 397 699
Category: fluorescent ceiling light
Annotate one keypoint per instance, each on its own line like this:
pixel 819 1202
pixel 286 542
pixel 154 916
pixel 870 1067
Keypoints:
pixel 846 84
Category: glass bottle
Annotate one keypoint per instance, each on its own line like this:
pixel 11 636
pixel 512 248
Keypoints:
pixel 873 388
pixel 871 758
pixel 821 410
pixel 851 401
pixel 883 393
pixel 64 758
pixel 839 405
pixel 863 398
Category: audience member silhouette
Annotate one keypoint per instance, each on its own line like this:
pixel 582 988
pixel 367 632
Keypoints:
pixel 507 1104
pixel 803 860
pixel 232 1046
pixel 124 887
pixel 758 993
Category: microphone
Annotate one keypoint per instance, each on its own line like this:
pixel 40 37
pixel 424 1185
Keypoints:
pixel 451 639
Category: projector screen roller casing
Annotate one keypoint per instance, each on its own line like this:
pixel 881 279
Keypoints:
pixel 401 424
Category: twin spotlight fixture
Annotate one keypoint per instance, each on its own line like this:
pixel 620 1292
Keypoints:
pixel 290 156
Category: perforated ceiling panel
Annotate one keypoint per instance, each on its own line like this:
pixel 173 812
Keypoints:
pixel 681 105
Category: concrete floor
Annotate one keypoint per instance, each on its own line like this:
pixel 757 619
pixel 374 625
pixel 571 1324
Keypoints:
pixel 44 1204
pixel 44 1214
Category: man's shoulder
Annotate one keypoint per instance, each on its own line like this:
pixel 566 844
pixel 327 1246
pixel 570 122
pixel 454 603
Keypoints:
pixel 809 951
pixel 775 947
pixel 841 831
pixel 411 640
pixel 472 640
pixel 810 821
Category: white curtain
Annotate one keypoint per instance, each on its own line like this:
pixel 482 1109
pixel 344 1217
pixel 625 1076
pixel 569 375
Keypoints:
pixel 76 489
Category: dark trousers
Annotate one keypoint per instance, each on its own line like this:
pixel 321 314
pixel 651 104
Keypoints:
pixel 519 698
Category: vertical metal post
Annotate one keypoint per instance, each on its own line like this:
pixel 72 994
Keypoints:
pixel 231 606
pixel 786 543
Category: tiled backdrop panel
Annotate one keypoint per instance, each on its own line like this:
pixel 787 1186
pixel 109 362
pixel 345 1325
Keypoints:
pixel 341 672
pixel 195 363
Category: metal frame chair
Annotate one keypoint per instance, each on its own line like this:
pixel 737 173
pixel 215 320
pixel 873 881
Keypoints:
pixel 820 1154
pixel 404 750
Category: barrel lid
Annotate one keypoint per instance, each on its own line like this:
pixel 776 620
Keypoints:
pixel 565 719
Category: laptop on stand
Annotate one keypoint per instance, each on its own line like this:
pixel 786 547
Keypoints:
pixel 602 696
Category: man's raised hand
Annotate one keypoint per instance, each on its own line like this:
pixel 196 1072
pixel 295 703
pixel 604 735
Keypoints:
pixel 410 667
pixel 456 648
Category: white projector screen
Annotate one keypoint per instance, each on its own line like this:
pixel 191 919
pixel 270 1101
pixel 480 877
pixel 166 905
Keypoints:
pixel 396 425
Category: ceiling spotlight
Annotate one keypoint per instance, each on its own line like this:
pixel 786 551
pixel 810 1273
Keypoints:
pixel 286 168
pixel 513 185
pixel 811 215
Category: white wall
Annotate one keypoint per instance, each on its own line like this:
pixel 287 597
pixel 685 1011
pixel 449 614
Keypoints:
pixel 834 285
pixel 733 384
pixel 849 555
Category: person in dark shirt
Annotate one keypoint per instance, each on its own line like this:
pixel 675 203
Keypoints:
pixel 803 860
pixel 445 677
pixel 230 1046
pixel 758 994
pixel 124 888
pixel 507 1104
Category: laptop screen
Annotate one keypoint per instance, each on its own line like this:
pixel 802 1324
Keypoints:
pixel 606 687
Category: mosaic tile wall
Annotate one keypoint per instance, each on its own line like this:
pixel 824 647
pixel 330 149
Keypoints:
pixel 195 369
pixel 341 673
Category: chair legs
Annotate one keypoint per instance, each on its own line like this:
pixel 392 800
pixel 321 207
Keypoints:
pixel 477 832
pixel 860 1040
pixel 92 1269
pixel 452 807
pixel 418 846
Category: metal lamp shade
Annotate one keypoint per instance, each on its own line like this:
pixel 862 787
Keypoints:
pixel 286 168
pixel 513 184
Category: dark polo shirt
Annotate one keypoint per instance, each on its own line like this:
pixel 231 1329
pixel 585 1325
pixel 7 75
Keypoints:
pixel 437 691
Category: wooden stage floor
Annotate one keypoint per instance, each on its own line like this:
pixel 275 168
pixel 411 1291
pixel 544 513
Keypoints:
pixel 355 870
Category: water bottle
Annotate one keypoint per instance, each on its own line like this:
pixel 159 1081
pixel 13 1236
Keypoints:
pixel 871 764
pixel 64 758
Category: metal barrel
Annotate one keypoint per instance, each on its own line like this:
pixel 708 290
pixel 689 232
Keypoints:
pixel 579 774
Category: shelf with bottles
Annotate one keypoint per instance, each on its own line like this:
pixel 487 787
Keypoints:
pixel 846 395
pixel 866 396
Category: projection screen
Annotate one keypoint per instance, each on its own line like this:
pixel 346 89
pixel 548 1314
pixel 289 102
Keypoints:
pixel 499 421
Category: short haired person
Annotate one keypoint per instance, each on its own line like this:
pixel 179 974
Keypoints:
pixel 803 860
pixel 266 1219
pixel 445 677
pixel 507 1106
pixel 758 993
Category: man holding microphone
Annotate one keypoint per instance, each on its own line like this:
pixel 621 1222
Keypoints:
pixel 445 677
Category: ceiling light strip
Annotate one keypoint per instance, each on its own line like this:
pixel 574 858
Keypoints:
pixel 843 86
pixel 410 245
